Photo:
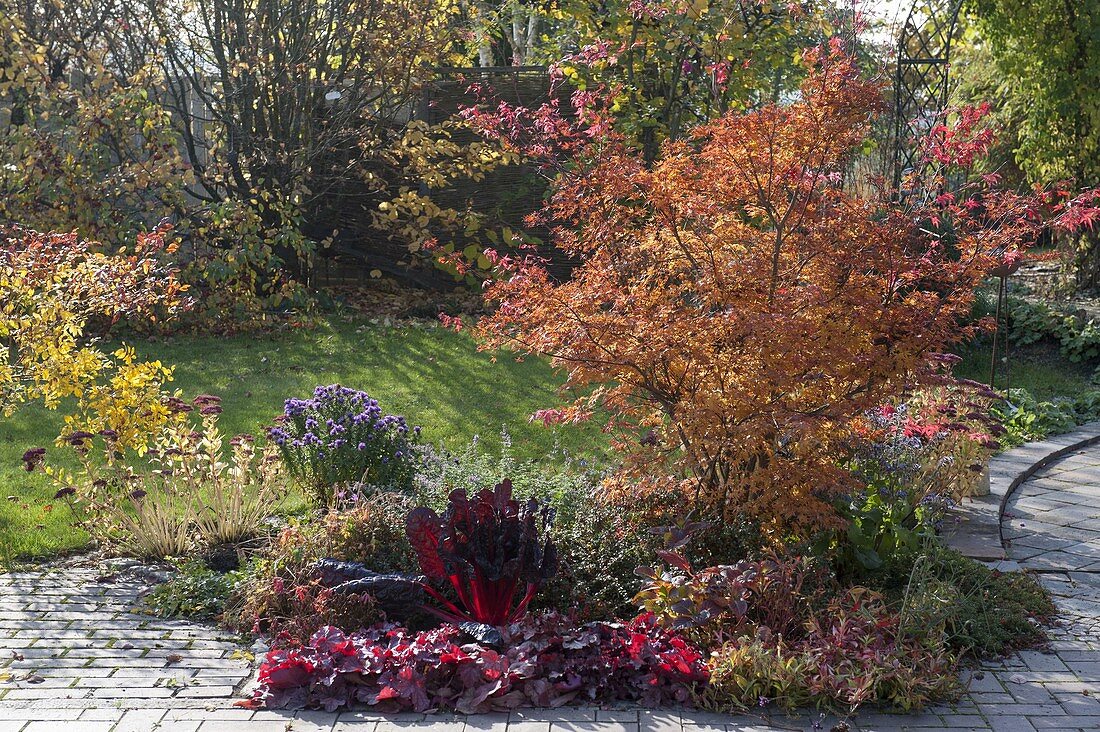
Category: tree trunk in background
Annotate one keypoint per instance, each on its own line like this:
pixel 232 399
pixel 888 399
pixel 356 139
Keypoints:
pixel 1086 248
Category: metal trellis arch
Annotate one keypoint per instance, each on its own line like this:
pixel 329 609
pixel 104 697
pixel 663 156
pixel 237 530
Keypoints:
pixel 922 77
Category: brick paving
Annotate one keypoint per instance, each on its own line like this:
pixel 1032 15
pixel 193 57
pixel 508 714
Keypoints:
pixel 75 658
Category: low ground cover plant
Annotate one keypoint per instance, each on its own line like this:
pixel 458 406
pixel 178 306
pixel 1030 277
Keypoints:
pixel 853 652
pixel 545 660
pixel 984 613
pixel 1078 338
pixel 1026 418
pixel 786 631
pixel 196 591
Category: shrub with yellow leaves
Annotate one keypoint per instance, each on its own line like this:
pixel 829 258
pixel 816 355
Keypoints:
pixel 54 289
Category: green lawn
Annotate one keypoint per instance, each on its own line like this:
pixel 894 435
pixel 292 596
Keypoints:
pixel 433 376
pixel 1038 368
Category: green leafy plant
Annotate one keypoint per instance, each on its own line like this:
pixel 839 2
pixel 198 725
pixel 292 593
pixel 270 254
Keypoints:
pixel 195 591
pixel 758 672
pixel 915 459
pixel 1031 322
pixel 984 612
pixel 1026 418
pixel 1080 341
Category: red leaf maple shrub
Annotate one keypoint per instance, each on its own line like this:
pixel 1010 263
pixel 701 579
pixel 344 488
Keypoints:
pixel 735 307
pixel 546 660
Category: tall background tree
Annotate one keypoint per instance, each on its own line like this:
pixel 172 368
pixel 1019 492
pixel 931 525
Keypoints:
pixel 291 112
pixel 85 146
pixel 271 130
pixel 1044 56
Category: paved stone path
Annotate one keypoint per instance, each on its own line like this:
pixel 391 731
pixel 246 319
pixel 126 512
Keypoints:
pixel 74 658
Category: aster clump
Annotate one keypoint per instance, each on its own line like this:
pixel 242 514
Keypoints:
pixel 341 436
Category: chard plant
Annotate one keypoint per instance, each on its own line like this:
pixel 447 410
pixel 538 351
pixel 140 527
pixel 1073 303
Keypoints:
pixel 483 561
pixel 487 549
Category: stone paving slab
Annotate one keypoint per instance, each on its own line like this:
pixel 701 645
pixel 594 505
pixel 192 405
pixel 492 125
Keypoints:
pixel 72 635
pixel 81 661
pixel 91 680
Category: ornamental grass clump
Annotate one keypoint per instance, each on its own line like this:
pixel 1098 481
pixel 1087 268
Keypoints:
pixel 340 436
pixel 178 490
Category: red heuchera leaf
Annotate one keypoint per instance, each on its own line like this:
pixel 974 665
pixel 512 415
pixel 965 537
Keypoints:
pixel 548 661
pixel 285 670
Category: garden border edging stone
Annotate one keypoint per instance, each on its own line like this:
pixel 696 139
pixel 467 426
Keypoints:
pixel 977 529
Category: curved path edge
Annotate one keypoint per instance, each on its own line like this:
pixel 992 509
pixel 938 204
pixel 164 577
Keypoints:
pixel 976 532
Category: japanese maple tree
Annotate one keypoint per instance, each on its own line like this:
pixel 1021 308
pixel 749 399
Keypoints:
pixel 735 306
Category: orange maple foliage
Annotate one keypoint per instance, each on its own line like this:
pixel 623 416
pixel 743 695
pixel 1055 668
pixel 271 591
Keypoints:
pixel 735 308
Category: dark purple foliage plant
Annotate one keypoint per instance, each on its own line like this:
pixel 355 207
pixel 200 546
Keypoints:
pixel 546 661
